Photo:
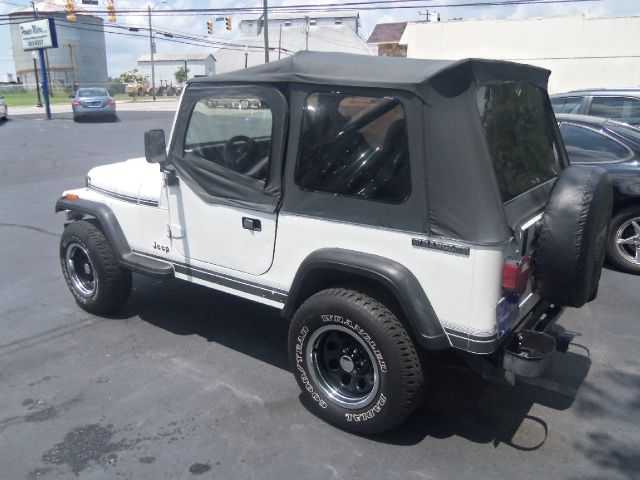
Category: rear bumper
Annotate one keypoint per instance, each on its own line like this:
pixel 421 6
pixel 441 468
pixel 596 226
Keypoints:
pixel 93 111
pixel 541 314
pixel 526 351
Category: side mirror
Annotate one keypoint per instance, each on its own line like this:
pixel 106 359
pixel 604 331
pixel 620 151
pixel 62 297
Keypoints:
pixel 155 147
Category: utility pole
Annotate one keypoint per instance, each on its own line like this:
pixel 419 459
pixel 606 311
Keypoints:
pixel 35 71
pixel 280 42
pixel 265 28
pixel 43 68
pixel 73 66
pixel 153 69
pixel 306 33
pixel 246 56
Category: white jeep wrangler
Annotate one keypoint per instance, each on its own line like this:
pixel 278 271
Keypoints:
pixel 385 205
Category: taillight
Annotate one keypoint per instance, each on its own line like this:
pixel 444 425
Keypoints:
pixel 111 102
pixel 515 276
pixel 76 103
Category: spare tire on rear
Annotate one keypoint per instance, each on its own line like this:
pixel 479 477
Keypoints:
pixel 571 242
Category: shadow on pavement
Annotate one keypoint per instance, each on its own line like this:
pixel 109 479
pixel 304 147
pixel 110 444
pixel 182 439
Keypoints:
pixel 458 402
pixel 187 309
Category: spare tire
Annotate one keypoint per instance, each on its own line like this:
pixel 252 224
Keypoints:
pixel 571 242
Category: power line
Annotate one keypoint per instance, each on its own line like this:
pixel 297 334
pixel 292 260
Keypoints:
pixel 363 5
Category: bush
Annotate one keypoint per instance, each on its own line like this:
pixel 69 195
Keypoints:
pixel 115 86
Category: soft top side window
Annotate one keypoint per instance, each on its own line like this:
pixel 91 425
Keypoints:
pixel 354 146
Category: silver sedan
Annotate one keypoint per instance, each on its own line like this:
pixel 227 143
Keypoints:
pixel 92 102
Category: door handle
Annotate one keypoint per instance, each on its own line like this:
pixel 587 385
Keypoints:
pixel 252 224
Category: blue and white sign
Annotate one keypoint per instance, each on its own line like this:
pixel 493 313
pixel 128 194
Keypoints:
pixel 39 34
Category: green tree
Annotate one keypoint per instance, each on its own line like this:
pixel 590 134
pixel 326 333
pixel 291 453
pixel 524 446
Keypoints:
pixel 182 74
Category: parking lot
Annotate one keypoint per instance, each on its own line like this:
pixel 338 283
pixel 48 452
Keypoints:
pixel 188 383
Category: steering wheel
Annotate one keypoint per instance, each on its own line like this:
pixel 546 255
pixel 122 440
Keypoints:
pixel 236 154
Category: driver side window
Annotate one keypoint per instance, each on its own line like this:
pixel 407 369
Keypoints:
pixel 234 133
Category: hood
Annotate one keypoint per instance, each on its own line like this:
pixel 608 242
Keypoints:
pixel 132 180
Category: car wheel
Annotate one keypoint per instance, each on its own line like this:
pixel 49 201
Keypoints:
pixel 98 284
pixel 623 245
pixel 76 118
pixel 354 361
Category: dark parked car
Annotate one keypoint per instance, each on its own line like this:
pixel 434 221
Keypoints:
pixel 615 147
pixel 622 105
pixel 93 102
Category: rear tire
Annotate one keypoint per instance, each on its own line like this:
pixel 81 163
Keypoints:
pixel 625 225
pixel 90 268
pixel 354 361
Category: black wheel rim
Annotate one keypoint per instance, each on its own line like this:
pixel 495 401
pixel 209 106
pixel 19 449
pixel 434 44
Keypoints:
pixel 80 269
pixel 343 366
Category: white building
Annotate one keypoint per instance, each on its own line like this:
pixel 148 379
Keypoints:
pixel 165 66
pixel 291 33
pixel 580 52
pixel 251 26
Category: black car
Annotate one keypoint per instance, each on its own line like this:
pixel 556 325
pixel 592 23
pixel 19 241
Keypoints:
pixel 616 147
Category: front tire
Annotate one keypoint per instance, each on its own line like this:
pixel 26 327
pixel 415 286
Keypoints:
pixel 623 244
pixel 354 361
pixel 90 268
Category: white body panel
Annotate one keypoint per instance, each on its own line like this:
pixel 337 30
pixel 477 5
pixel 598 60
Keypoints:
pixel 463 290
pixel 214 234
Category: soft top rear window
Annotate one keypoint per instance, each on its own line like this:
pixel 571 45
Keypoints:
pixel 520 133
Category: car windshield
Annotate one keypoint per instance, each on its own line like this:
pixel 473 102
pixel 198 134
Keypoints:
pixel 92 92
pixel 629 133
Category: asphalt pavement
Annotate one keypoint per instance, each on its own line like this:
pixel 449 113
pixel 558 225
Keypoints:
pixel 188 383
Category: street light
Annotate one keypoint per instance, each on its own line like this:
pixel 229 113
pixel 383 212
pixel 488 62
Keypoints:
pixel 34 55
pixel 153 69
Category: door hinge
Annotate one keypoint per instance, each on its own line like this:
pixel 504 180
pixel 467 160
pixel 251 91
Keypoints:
pixel 174 231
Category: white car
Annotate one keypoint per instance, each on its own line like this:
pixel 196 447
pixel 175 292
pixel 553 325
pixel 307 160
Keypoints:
pixel 4 112
pixel 384 205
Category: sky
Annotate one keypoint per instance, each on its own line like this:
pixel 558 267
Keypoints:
pixel 123 51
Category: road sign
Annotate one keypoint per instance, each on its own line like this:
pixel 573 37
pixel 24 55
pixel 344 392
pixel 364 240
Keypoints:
pixel 39 34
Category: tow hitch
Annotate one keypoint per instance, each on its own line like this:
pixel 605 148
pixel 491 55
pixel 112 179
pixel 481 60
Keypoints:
pixel 527 351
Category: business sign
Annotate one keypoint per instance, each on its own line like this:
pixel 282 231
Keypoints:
pixel 90 2
pixel 39 34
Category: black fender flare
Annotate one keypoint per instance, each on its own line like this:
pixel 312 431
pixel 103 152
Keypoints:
pixel 109 225
pixel 329 266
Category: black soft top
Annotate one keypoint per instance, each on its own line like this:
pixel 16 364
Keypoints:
pixel 455 194
pixel 409 74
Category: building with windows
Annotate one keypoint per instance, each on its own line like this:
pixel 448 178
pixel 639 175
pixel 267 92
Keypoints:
pixel 581 52
pixel 80 57
pixel 291 33
pixel 166 66
pixel 252 26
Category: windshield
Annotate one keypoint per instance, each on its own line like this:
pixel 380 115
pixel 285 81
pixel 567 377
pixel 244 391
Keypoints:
pixel 92 92
pixel 520 135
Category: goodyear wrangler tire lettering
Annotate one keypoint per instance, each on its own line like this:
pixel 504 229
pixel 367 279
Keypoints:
pixel 354 361
pixel 303 374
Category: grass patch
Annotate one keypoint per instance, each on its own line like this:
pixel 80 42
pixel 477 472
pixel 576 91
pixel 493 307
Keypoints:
pixel 22 99
pixel 30 99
